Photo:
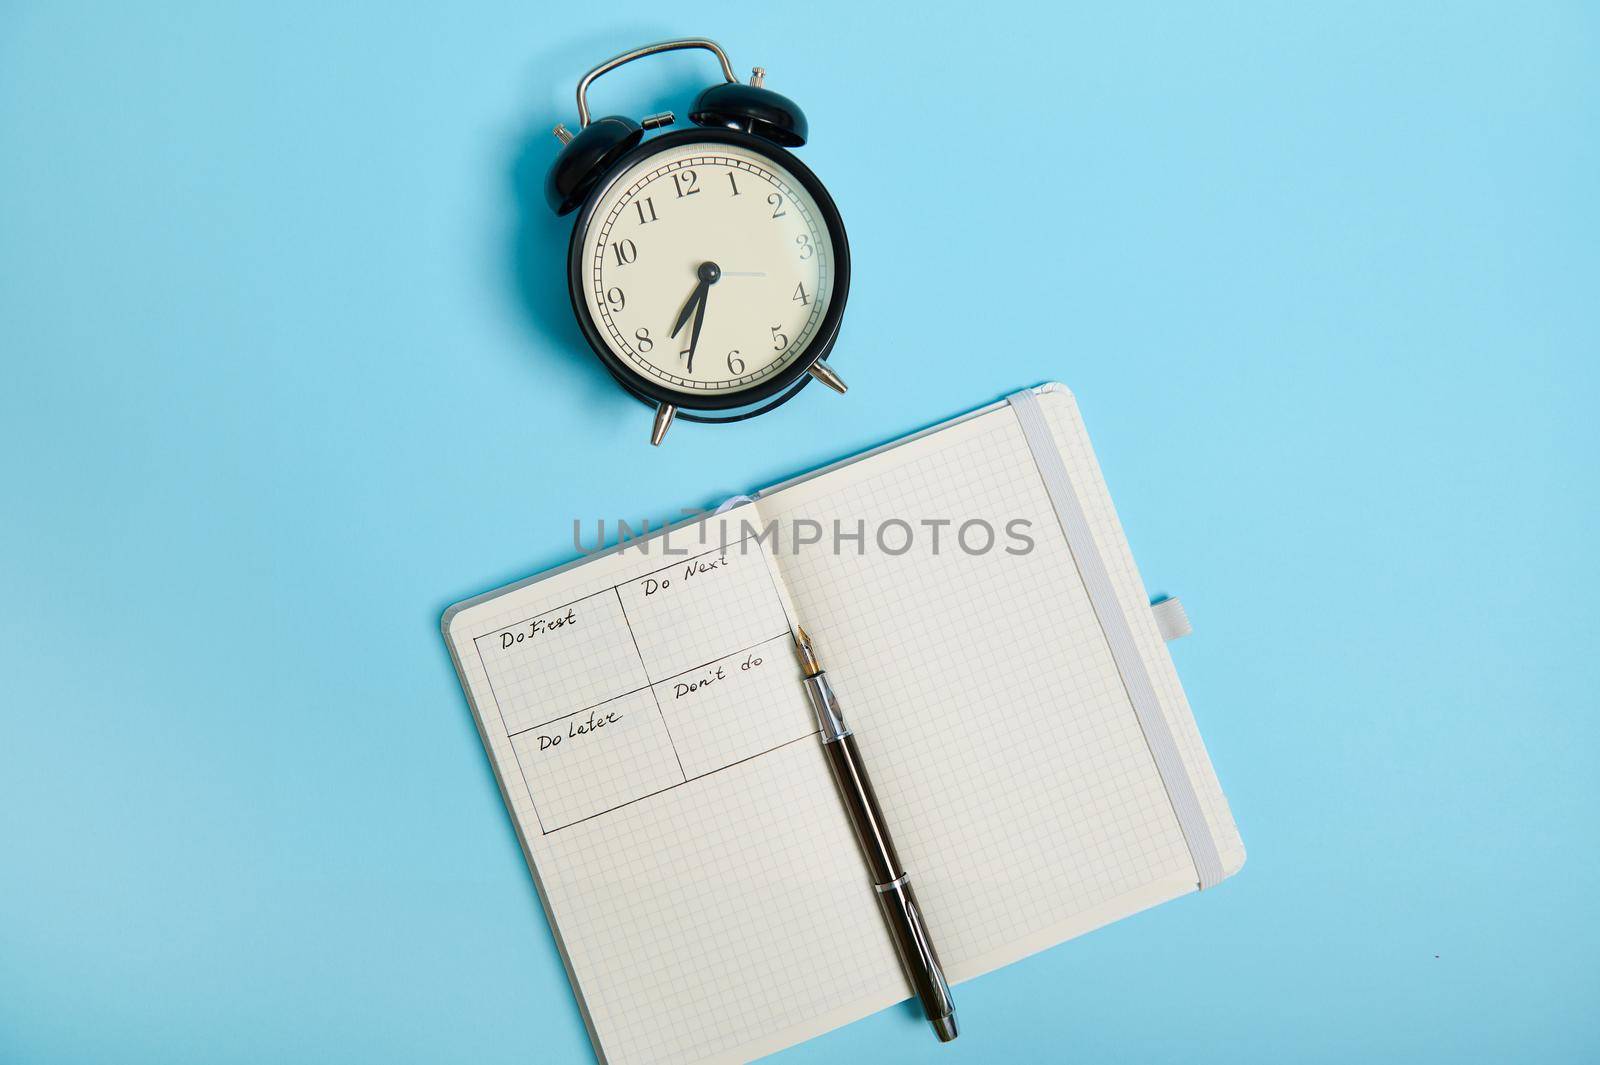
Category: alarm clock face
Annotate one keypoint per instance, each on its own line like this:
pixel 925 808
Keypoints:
pixel 711 269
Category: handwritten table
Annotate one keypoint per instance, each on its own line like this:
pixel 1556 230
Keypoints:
pixel 615 697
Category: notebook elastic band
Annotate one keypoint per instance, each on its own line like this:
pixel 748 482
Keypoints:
pixel 1114 622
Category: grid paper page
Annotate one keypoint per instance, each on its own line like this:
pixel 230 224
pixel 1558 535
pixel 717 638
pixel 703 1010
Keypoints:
pixel 645 719
pixel 1008 758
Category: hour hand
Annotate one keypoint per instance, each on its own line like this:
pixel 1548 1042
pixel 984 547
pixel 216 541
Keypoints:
pixel 699 320
pixel 709 273
pixel 689 306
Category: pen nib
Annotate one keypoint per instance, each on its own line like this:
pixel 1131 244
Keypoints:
pixel 803 651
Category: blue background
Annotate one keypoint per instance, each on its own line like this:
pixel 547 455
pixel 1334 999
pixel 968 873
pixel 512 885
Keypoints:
pixel 288 368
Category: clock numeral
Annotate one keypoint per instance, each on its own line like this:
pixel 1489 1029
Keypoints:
pixel 688 353
pixel 642 337
pixel 615 297
pixel 683 181
pixel 625 250
pixel 779 341
pixel 806 250
pixel 800 296
pixel 734 183
pixel 735 364
pixel 777 205
pixel 641 205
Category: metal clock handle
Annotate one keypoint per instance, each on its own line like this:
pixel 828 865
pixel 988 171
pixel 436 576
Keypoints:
pixel 639 53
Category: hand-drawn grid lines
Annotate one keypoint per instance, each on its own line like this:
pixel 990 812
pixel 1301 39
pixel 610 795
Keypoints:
pixel 580 687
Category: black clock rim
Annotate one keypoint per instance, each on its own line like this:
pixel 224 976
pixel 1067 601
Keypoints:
pixel 822 341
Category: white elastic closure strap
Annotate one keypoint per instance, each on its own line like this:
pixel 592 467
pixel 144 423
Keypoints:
pixel 1114 623
pixel 1172 621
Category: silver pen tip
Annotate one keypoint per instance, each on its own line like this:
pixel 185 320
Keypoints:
pixel 804 652
pixel 945 1027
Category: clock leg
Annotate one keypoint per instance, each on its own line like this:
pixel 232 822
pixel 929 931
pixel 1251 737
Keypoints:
pixel 664 416
pixel 824 373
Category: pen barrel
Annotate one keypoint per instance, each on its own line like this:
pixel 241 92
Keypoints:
pixel 917 956
pixel 861 803
pixel 900 910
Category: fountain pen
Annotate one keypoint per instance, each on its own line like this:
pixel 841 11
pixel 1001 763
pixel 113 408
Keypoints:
pixel 893 886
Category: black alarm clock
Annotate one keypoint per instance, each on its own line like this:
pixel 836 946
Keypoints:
pixel 708 267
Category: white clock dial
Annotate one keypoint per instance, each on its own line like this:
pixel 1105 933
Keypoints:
pixel 707 268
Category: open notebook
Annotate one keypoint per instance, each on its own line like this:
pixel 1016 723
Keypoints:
pixel 1030 743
